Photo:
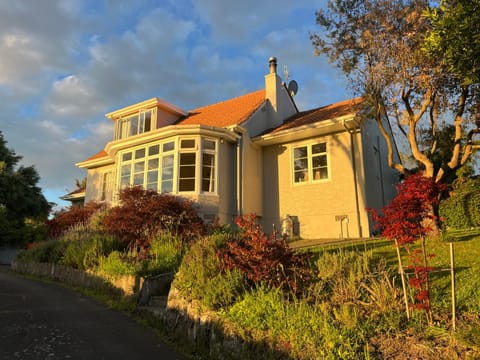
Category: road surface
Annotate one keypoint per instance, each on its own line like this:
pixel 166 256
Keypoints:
pixel 47 321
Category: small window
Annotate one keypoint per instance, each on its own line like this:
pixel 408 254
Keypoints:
pixel 310 163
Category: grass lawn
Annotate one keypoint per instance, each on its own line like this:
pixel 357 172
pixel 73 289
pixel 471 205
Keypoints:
pixel 466 246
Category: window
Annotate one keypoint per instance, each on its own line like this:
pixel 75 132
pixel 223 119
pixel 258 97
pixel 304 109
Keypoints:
pixel 310 163
pixel 208 165
pixel 159 167
pixel 135 124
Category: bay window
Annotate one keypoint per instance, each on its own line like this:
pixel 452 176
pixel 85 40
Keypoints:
pixel 159 167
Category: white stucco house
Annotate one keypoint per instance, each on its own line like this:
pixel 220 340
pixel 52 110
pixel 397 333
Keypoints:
pixel 256 153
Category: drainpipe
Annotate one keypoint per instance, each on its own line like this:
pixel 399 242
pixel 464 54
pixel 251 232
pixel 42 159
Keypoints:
pixel 354 172
pixel 238 176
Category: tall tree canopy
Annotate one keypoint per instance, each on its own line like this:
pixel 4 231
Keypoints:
pixel 416 62
pixel 20 197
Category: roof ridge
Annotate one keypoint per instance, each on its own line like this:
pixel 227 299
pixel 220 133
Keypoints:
pixel 227 100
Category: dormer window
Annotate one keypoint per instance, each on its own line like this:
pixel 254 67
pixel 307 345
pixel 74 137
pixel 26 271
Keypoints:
pixel 134 124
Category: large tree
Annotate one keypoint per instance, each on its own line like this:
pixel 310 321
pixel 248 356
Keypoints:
pixel 20 197
pixel 415 62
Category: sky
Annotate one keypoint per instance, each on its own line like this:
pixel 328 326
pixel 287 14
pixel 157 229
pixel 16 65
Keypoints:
pixel 64 64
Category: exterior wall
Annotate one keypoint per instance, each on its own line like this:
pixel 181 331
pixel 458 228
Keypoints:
pixel 251 178
pixel 381 180
pixel 316 207
pixel 93 191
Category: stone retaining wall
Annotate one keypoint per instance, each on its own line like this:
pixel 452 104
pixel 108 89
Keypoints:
pixel 126 285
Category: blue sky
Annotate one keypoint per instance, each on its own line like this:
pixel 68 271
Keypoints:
pixel 66 63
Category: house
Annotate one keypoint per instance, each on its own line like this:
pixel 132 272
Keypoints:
pixel 75 197
pixel 314 172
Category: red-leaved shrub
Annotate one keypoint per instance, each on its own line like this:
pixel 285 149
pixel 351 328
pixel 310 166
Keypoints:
pixel 264 259
pixel 406 220
pixel 73 216
pixel 142 214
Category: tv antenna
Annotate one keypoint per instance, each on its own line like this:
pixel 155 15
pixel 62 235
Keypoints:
pixel 292 85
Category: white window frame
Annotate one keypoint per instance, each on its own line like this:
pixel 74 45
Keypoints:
pixel 124 124
pixel 309 176
pixel 198 150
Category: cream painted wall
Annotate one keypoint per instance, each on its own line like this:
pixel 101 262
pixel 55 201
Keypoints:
pixel 95 182
pixel 317 204
pixel 252 178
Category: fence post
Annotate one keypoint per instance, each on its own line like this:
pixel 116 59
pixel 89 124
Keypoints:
pixel 402 275
pixel 452 277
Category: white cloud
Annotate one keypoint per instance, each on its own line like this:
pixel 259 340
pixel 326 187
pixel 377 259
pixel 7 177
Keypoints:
pixel 73 97
pixel 65 63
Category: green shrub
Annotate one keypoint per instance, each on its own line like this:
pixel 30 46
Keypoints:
pixel 462 209
pixel 201 277
pixel 303 330
pixel 117 264
pixel 44 252
pixel 85 248
pixel 165 254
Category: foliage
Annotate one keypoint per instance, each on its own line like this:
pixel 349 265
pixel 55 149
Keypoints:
pixel 117 264
pixel 396 56
pixel 462 209
pixel 200 275
pixel 50 251
pixel 144 213
pixel 405 220
pixel 303 330
pixel 20 197
pixel 72 217
pixel 85 248
pixel 263 259
pixel 165 255
pixel 455 37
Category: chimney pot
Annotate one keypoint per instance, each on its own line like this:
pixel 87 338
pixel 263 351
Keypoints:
pixel 273 64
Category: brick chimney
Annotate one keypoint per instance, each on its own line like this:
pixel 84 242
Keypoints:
pixel 273 84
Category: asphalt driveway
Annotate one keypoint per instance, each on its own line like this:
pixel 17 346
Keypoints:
pixel 47 321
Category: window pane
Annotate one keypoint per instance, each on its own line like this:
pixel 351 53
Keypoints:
pixel 153 150
pixel 125 170
pixel 187 172
pixel 127 156
pixel 208 144
pixel 300 152
pixel 208 172
pixel 152 164
pixel 319 148
pixel 147 120
pixel 138 179
pixel 139 167
pixel 167 161
pixel 133 121
pixel 167 186
pixel 186 185
pixel 300 164
pixel 187 159
pixel 168 146
pixel 140 153
pixel 187 143
pixel 152 177
pixel 124 181
pixel 319 161
pixel 167 173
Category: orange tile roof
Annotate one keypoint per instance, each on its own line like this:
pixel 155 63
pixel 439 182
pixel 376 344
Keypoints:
pixel 320 114
pixel 99 155
pixel 229 112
